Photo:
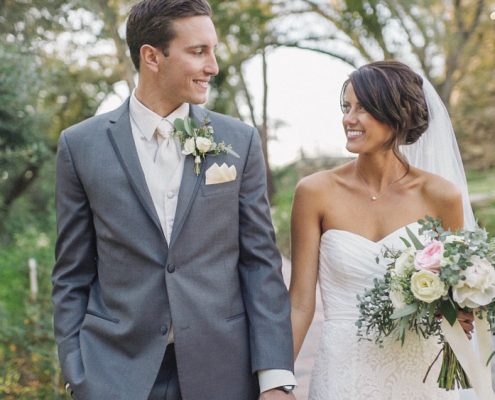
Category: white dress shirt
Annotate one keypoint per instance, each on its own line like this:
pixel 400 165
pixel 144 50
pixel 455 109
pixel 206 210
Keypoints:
pixel 164 194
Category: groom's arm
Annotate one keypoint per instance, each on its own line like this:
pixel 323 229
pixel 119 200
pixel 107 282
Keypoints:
pixel 75 254
pixel 260 265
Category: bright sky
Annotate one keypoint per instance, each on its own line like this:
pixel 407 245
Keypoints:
pixel 304 93
pixel 304 90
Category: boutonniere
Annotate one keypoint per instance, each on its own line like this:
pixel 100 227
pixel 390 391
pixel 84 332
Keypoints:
pixel 199 141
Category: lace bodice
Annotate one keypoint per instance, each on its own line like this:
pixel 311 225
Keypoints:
pixel 346 368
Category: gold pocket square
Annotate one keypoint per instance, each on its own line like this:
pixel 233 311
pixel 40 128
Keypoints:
pixel 220 174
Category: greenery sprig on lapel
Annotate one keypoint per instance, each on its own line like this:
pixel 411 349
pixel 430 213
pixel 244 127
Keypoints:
pixel 198 141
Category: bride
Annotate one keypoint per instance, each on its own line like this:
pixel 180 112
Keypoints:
pixel 343 217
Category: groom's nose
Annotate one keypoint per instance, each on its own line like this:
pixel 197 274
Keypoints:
pixel 211 66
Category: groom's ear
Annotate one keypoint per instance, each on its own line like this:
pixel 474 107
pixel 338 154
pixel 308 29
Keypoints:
pixel 149 57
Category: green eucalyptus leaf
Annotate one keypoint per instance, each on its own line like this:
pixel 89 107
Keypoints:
pixel 188 126
pixel 232 152
pixel 449 311
pixel 402 331
pixel 417 244
pixel 490 358
pixel 179 125
pixel 404 311
pixel 406 242
pixel 193 123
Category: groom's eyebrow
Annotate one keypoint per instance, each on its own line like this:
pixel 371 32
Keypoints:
pixel 201 46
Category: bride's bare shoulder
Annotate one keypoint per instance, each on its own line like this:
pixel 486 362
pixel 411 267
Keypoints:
pixel 321 182
pixel 436 189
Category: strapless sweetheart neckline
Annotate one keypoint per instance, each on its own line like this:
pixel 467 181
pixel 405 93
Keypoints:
pixel 388 235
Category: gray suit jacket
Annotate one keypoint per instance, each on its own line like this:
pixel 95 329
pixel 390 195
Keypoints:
pixel 118 284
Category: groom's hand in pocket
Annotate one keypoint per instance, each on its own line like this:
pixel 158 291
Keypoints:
pixel 275 394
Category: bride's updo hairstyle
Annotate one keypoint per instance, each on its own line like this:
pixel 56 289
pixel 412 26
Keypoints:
pixel 393 94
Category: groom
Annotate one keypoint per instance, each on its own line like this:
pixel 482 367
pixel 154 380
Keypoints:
pixel 167 283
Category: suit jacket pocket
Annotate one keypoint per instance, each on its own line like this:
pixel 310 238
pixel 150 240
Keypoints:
pixel 102 316
pixel 219 188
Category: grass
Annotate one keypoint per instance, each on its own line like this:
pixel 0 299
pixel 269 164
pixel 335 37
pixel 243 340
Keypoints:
pixel 481 181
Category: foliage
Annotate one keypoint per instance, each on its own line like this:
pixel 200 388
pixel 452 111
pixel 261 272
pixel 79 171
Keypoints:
pixel 22 146
pixel 45 86
pixel 474 104
pixel 28 362
pixel 482 184
pixel 481 181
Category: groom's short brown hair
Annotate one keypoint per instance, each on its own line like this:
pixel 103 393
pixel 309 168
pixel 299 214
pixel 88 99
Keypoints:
pixel 150 22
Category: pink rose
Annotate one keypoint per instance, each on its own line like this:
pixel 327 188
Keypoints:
pixel 430 257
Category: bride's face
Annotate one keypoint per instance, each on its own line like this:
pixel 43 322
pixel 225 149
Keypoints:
pixel 365 134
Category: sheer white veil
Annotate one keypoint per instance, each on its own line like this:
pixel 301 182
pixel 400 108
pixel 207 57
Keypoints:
pixel 437 151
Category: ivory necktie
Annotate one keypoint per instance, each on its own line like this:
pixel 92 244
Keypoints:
pixel 167 157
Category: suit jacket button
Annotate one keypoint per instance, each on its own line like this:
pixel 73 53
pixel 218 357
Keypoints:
pixel 171 268
pixel 164 330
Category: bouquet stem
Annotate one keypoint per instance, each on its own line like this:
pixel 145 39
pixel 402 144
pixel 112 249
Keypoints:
pixel 451 373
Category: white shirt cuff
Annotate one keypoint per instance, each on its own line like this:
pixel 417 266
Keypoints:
pixel 272 378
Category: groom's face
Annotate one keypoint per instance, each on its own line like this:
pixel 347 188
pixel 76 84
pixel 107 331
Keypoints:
pixel 185 72
pixel 365 134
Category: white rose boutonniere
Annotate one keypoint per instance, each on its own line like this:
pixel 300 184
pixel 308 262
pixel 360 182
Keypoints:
pixel 189 146
pixel 199 141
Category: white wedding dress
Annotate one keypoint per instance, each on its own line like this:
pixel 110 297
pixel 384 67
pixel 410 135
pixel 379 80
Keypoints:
pixel 348 369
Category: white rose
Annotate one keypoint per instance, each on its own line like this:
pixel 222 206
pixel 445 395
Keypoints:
pixel 397 299
pixel 478 287
pixel 427 286
pixel 405 260
pixel 203 144
pixel 189 146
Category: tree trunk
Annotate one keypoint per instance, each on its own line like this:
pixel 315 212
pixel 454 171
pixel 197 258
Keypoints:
pixel 264 126
pixel 125 68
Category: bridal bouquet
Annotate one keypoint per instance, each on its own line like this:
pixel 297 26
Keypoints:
pixel 449 272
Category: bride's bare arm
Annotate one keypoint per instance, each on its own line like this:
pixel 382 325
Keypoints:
pixel 305 240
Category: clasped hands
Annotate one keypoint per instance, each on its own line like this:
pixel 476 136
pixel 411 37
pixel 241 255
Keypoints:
pixel 466 320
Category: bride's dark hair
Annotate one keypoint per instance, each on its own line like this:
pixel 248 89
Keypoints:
pixel 393 94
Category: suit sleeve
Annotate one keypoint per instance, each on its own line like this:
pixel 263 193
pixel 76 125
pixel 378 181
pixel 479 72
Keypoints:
pixel 75 254
pixel 260 265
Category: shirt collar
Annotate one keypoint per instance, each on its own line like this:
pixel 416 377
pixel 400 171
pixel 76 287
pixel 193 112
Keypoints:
pixel 147 120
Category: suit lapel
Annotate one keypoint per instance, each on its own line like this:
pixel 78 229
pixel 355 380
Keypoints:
pixel 120 135
pixel 190 181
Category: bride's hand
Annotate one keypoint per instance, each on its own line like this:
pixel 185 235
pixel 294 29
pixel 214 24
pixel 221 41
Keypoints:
pixel 466 320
